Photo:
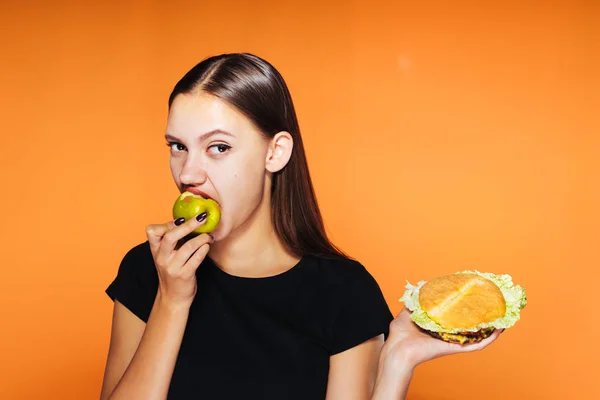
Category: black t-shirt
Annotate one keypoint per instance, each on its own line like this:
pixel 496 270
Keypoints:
pixel 261 338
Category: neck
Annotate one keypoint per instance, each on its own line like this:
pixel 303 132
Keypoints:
pixel 253 250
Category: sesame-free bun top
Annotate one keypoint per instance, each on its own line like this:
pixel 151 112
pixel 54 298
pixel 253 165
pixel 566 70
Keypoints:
pixel 462 300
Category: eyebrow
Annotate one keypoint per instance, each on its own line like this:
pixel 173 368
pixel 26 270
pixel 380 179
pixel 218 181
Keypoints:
pixel 202 137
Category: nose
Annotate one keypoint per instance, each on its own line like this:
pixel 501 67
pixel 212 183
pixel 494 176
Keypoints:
pixel 193 172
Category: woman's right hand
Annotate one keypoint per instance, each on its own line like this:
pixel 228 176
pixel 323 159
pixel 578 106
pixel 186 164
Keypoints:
pixel 177 262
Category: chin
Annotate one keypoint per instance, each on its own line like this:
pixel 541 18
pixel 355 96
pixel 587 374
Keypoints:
pixel 220 233
pixel 217 236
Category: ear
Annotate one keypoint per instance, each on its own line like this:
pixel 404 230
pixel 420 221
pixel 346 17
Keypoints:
pixel 279 151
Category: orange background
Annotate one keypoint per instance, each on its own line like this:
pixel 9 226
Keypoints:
pixel 440 137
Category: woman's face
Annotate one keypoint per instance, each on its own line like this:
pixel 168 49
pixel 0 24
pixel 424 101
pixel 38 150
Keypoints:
pixel 217 151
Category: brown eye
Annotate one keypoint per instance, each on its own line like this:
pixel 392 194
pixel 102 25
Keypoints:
pixel 176 146
pixel 219 148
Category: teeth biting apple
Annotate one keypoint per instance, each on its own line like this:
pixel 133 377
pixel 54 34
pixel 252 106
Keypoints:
pixel 188 205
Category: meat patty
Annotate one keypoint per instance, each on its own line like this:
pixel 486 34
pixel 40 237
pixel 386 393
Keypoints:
pixel 463 337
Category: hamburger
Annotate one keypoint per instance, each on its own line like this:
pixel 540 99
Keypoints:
pixel 465 307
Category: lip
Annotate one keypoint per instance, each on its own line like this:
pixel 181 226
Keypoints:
pixel 198 192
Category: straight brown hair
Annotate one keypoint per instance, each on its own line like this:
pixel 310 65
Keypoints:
pixel 257 89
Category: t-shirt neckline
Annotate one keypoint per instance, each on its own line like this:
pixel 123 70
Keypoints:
pixel 282 275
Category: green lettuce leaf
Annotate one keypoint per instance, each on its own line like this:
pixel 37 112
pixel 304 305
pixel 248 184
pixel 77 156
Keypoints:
pixel 514 295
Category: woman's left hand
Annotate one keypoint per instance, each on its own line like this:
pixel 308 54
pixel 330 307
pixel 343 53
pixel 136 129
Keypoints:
pixel 405 348
pixel 408 345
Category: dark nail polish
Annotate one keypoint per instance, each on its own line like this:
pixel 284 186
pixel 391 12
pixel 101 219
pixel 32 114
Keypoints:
pixel 201 217
pixel 179 221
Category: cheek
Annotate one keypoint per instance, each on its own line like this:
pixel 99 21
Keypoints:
pixel 175 169
pixel 240 188
pixel 247 183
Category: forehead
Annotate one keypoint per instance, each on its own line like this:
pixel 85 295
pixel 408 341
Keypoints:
pixel 194 114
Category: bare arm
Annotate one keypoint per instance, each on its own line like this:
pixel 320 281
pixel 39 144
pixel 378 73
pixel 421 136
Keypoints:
pixel 352 373
pixel 147 373
pixel 392 381
pixel 126 333
pixel 142 357
pixel 405 349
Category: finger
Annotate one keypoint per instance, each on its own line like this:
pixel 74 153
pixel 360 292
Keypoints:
pixel 402 322
pixel 484 343
pixel 172 237
pixel 155 233
pixel 404 313
pixel 188 249
pixel 189 268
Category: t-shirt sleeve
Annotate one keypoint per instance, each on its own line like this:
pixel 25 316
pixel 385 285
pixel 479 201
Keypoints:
pixel 136 282
pixel 362 312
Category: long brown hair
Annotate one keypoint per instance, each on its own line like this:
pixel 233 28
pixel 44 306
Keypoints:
pixel 257 89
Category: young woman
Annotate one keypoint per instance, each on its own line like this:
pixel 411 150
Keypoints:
pixel 266 307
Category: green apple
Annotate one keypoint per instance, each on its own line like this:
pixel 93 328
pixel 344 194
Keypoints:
pixel 188 205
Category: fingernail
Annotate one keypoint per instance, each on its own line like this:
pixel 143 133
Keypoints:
pixel 179 221
pixel 211 237
pixel 201 217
